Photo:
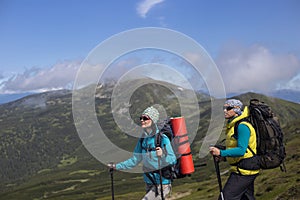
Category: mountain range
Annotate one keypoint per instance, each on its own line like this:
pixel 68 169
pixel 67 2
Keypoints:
pixel 42 156
pixel 286 94
pixel 289 95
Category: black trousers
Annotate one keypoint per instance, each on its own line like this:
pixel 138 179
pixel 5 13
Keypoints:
pixel 239 187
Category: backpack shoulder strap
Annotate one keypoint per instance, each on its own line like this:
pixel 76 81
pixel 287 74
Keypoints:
pixel 141 140
pixel 158 138
pixel 237 124
pixel 236 131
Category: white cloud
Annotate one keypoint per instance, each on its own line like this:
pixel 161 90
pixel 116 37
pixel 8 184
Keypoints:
pixel 293 84
pixel 255 68
pixel 242 68
pixel 145 6
pixel 59 76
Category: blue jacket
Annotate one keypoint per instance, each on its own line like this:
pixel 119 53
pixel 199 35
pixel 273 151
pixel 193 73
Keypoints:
pixel 145 153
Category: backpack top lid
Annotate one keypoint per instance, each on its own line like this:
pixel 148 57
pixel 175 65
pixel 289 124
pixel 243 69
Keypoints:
pixel 264 109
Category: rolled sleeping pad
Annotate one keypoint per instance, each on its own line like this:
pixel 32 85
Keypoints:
pixel 181 141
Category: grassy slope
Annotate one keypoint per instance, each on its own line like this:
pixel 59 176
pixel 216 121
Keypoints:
pixel 88 181
pixel 86 178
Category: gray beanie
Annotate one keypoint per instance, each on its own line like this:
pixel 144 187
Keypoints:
pixel 237 104
pixel 152 113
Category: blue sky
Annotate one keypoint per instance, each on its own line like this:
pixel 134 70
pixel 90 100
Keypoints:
pixel 255 44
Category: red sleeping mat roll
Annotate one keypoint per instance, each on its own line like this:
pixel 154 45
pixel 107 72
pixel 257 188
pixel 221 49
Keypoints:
pixel 183 146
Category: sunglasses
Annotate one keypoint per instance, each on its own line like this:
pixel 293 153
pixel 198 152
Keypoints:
pixel 228 108
pixel 144 118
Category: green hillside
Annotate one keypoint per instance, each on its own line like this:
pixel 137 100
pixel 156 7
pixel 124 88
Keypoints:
pixel 42 156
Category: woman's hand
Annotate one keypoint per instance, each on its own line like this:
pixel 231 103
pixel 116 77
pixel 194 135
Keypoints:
pixel 214 151
pixel 111 166
pixel 159 151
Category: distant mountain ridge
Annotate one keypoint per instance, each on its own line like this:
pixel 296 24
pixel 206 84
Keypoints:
pixel 289 95
pixel 286 94
pixel 5 98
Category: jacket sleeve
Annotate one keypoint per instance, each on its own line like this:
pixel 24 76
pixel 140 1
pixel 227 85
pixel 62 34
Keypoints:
pixel 134 160
pixel 242 143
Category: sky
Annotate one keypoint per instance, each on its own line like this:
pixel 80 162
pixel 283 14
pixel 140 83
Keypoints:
pixel 255 44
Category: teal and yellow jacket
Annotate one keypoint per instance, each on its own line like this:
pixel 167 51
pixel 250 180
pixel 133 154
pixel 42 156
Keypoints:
pixel 237 144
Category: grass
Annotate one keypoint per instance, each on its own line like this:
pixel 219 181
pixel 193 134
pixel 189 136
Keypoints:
pixel 67 161
pixel 75 182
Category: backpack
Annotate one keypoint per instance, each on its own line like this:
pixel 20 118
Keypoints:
pixel 171 171
pixel 270 150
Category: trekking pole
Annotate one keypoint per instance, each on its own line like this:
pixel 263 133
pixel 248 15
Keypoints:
pixel 160 180
pixel 200 165
pixel 111 170
pixel 218 176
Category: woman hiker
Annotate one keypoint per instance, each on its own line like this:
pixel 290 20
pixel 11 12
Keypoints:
pixel 240 184
pixel 151 156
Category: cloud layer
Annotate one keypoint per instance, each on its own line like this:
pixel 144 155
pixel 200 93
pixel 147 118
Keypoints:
pixel 242 68
pixel 59 76
pixel 145 6
pixel 255 68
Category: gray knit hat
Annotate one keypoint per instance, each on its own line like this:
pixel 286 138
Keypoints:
pixel 152 113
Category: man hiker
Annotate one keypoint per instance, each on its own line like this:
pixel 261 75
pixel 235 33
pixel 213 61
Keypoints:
pixel 152 156
pixel 240 184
